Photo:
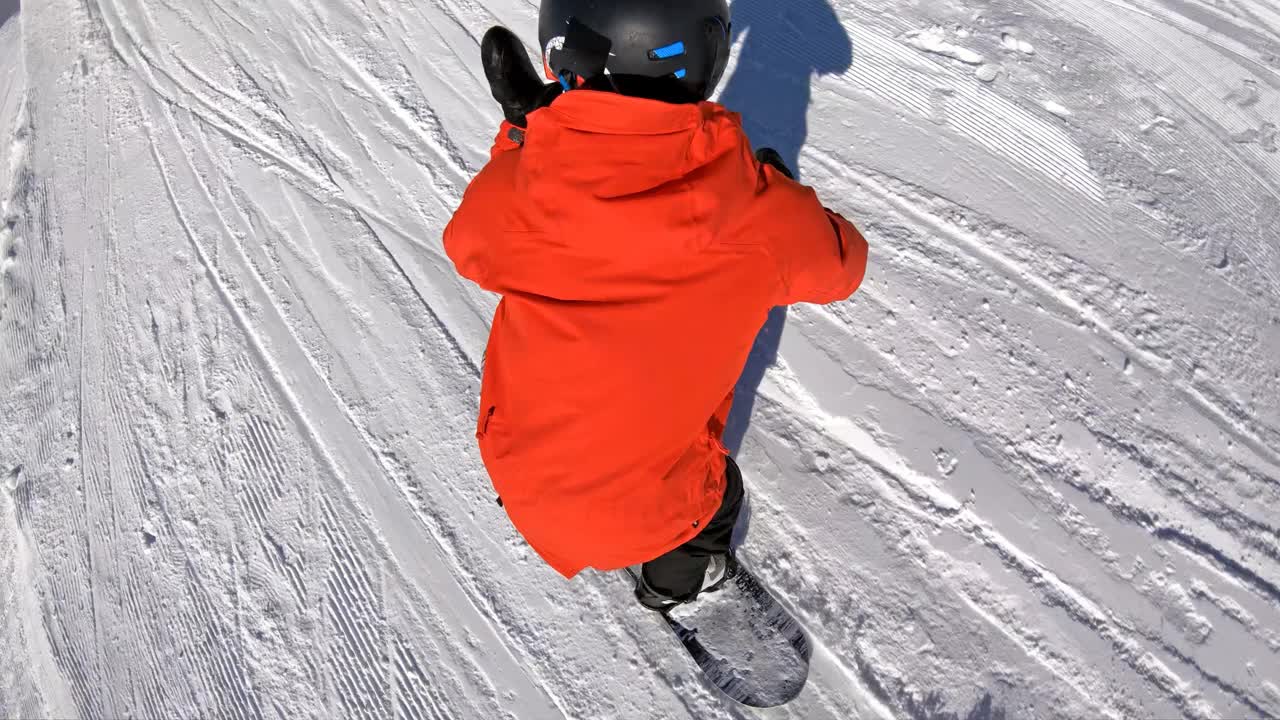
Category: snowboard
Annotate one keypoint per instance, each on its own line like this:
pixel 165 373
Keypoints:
pixel 745 642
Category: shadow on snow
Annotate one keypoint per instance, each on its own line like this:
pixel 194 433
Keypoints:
pixel 784 44
pixel 8 10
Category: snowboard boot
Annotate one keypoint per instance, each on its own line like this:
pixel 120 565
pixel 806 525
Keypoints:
pixel 719 569
pixel 512 79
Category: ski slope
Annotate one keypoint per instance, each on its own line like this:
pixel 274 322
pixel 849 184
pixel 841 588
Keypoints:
pixel 1030 470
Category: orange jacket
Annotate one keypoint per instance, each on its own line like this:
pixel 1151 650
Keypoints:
pixel 638 247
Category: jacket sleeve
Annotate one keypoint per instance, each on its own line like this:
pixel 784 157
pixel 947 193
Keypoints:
pixel 468 235
pixel 821 257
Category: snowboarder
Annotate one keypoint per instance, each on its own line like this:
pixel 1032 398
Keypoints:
pixel 638 245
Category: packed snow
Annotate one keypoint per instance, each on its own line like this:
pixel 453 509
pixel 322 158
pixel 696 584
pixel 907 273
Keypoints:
pixel 1030 470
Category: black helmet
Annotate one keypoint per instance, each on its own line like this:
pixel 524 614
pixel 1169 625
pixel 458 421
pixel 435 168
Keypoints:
pixel 673 50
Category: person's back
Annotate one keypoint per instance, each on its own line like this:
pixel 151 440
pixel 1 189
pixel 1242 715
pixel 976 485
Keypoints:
pixel 638 245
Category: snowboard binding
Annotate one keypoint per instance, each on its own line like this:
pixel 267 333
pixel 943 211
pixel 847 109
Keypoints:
pixel 720 570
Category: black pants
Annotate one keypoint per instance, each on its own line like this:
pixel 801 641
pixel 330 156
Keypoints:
pixel 679 573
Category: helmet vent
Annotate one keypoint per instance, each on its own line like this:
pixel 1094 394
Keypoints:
pixel 667 52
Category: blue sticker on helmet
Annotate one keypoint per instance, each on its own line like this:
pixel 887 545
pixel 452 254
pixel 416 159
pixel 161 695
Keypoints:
pixel 681 73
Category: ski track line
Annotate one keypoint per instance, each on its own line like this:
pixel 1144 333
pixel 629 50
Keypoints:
pixel 1185 26
pixel 70 349
pixel 883 70
pixel 1166 530
pixel 25 611
pixel 254 454
pixel 218 653
pixel 1231 691
pixel 315 186
pixel 224 662
pixel 321 188
pixel 380 508
pixel 136 470
pixel 284 125
pixel 318 188
pixel 830 662
pixel 1236 152
pixel 456 349
pixel 1220 417
pixel 231 16
pixel 1228 605
pixel 1178 88
pixel 484 19
pixel 1147 522
pixel 434 138
pixel 23 625
pixel 367 217
pixel 434 521
pixel 1173 531
pixel 1036 467
pixel 1199 506
pixel 1035 652
pixel 934 517
pixel 1060 298
pixel 1052 590
pixel 37 271
pixel 926 516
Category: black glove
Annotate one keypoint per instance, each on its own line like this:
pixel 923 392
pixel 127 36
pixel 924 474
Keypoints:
pixel 769 156
pixel 512 79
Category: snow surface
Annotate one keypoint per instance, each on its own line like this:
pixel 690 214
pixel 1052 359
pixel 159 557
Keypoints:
pixel 1030 471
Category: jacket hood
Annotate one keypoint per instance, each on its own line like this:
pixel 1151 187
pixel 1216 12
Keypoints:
pixel 613 191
